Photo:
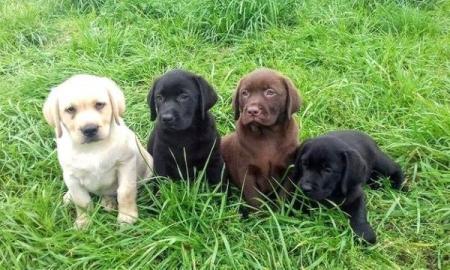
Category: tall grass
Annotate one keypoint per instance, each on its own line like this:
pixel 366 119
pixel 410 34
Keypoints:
pixel 378 66
pixel 230 20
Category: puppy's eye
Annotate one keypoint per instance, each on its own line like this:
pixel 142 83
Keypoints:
pixel 99 105
pixel 183 97
pixel 270 93
pixel 327 169
pixel 245 93
pixel 159 98
pixel 70 110
pixel 305 162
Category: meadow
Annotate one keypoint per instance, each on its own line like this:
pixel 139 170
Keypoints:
pixel 380 66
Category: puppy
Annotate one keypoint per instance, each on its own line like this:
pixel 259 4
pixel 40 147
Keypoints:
pixel 185 138
pixel 96 150
pixel 258 153
pixel 335 166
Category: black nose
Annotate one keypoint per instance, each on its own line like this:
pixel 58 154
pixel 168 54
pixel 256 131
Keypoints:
pixel 89 130
pixel 167 118
pixel 307 187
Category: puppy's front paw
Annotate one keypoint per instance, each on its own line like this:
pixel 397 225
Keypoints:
pixel 244 211
pixel 124 219
pixel 109 203
pixel 82 222
pixel 365 231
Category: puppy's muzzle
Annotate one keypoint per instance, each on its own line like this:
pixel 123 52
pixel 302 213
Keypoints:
pixel 167 118
pixel 90 131
pixel 307 187
pixel 253 110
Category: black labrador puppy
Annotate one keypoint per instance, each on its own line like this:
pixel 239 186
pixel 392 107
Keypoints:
pixel 336 165
pixel 185 138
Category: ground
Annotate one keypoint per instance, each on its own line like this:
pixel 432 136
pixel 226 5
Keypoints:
pixel 377 66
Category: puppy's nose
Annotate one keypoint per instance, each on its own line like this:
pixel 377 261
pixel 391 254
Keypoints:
pixel 307 187
pixel 89 130
pixel 167 118
pixel 253 110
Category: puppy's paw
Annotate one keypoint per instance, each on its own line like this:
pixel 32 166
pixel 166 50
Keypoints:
pixel 365 231
pixel 126 219
pixel 82 222
pixel 398 180
pixel 109 203
pixel 67 199
pixel 244 211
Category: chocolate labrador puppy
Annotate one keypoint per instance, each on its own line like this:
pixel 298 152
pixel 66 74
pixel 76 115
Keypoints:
pixel 258 153
pixel 336 165
pixel 185 138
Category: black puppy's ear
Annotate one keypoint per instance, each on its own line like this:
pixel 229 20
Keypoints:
pixel 293 100
pixel 355 170
pixel 237 111
pixel 208 96
pixel 298 169
pixel 152 102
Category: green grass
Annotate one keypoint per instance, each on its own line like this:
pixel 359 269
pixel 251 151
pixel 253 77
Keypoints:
pixel 378 66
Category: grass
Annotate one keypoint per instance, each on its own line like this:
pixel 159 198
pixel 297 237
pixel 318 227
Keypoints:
pixel 378 66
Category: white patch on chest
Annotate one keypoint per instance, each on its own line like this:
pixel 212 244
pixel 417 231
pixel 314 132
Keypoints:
pixel 95 169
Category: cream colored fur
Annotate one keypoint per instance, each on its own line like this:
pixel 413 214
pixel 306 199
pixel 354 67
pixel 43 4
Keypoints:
pixel 110 166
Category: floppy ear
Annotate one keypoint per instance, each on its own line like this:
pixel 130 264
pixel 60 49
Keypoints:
pixel 298 172
pixel 299 152
pixel 236 108
pixel 355 170
pixel 208 96
pixel 51 111
pixel 151 101
pixel 293 100
pixel 116 98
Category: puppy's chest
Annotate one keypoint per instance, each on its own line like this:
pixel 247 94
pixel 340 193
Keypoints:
pixel 270 154
pixel 96 175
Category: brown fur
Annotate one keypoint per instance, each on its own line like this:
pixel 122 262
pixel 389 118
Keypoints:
pixel 258 153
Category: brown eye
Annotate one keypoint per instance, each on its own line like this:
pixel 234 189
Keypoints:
pixel 245 93
pixel 270 93
pixel 99 105
pixel 70 110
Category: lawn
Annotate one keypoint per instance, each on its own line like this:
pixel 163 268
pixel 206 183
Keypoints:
pixel 378 66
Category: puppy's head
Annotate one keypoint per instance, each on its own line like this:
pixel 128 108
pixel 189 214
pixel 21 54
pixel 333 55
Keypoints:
pixel 324 165
pixel 264 97
pixel 178 98
pixel 85 106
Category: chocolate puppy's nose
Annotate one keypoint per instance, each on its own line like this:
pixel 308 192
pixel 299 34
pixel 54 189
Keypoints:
pixel 167 118
pixel 90 130
pixel 253 110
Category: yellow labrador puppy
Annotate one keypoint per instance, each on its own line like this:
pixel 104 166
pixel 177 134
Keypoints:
pixel 98 153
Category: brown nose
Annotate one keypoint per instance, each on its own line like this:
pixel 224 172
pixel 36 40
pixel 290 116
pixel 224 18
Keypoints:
pixel 253 110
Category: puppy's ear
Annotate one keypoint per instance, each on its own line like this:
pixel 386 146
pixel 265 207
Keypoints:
pixel 293 100
pixel 237 111
pixel 299 152
pixel 355 170
pixel 208 96
pixel 116 98
pixel 51 111
pixel 152 102
pixel 298 170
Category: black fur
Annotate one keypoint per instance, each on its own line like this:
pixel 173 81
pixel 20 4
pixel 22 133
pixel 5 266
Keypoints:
pixel 336 165
pixel 185 134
